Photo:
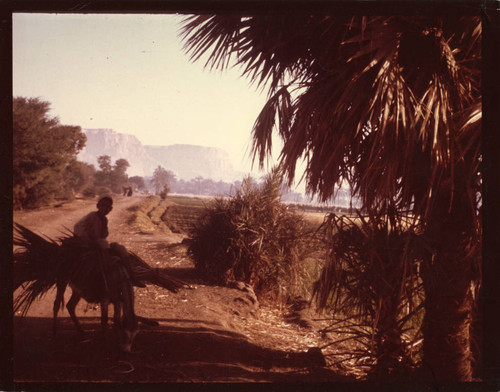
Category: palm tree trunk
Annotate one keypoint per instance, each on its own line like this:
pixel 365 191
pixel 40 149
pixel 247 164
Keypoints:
pixel 391 357
pixel 447 278
pixel 447 321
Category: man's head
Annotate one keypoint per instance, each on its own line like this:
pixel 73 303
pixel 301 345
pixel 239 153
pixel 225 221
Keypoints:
pixel 105 205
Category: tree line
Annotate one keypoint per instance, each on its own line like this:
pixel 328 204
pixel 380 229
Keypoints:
pixel 164 181
pixel 45 165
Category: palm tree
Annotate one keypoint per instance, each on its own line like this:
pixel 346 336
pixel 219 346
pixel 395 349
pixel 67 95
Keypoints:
pixel 392 106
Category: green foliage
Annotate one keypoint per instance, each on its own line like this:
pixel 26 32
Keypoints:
pixel 104 162
pixel 251 237
pixel 42 151
pixel 118 175
pixel 161 177
pixel 90 191
pixel 390 105
pixel 77 176
pixel 188 201
pixel 102 176
pixel 112 176
pixel 138 181
pixel 371 286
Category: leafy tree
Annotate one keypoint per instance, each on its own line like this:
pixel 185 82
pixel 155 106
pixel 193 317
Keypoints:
pixel 111 176
pixel 118 175
pixel 43 149
pixel 161 177
pixel 77 176
pixel 138 181
pixel 104 162
pixel 103 175
pixel 392 106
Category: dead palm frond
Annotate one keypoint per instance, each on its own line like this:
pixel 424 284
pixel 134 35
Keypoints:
pixel 73 246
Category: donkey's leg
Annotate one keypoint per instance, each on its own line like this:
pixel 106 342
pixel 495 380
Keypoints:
pixel 104 314
pixel 117 316
pixel 58 302
pixel 73 301
pixel 129 327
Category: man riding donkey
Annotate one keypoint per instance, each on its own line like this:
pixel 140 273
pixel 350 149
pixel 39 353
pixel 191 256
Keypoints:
pixel 97 271
pixel 93 229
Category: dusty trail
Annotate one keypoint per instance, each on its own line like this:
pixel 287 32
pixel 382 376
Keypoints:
pixel 206 333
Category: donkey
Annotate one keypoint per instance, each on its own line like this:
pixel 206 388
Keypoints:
pixel 114 287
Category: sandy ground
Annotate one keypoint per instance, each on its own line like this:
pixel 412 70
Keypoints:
pixel 206 333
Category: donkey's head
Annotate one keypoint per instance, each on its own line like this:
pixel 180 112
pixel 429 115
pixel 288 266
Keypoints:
pixel 127 332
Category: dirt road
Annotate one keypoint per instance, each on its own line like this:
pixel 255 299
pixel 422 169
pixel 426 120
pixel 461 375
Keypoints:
pixel 206 333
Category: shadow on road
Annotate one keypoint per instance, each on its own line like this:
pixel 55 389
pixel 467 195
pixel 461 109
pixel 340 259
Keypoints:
pixel 176 351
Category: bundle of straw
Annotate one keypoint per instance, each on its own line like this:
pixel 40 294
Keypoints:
pixel 145 273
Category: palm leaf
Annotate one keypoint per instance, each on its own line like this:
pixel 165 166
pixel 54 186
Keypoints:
pixel 37 261
pixel 397 104
pixel 144 272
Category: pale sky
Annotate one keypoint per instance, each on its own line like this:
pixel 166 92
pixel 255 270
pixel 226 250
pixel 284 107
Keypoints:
pixel 129 73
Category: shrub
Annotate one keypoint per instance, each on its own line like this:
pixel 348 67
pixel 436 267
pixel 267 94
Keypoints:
pixel 103 191
pixel 90 191
pixel 251 237
pixel 66 194
pixel 372 287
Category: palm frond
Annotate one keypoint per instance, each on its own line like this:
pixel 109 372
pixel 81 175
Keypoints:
pixel 370 283
pixel 217 32
pixel 36 261
pixel 144 272
pixel 379 91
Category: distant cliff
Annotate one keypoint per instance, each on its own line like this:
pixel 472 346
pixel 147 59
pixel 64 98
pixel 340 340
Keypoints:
pixel 185 161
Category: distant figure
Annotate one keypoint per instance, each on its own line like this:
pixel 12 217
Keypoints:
pixel 127 190
pixel 93 227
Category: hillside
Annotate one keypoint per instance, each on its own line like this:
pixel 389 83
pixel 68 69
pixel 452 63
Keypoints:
pixel 185 161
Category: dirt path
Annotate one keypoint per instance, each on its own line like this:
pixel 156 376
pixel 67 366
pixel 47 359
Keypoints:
pixel 206 333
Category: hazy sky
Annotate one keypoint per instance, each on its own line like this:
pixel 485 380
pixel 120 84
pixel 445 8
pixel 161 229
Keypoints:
pixel 129 73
